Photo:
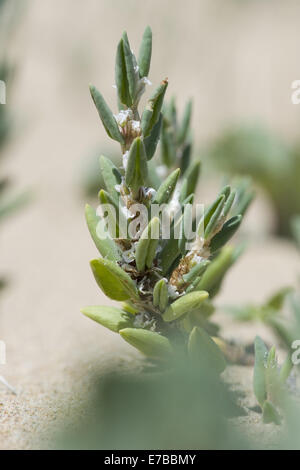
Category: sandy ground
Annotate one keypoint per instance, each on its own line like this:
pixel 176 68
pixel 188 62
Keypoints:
pixel 53 351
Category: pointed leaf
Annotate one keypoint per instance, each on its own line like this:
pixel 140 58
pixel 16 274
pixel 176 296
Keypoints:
pixel 270 414
pixel 112 318
pixel 259 377
pixel 184 129
pixel 152 112
pixel 216 270
pixel 152 140
pixel 191 180
pixel 111 177
pixel 145 53
pixel 205 351
pixel 131 76
pixel 166 189
pixel 106 246
pixel 225 234
pixel 160 295
pixel 136 170
pixel 146 246
pixel 121 76
pixel 114 281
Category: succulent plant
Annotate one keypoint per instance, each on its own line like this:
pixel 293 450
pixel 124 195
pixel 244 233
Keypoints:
pixel 269 381
pixel 165 281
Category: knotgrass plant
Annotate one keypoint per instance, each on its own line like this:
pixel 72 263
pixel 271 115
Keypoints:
pixel 166 283
pixel 269 381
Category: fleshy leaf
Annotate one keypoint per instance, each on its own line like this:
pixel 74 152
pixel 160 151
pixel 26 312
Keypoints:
pixel 160 295
pixel 166 189
pixel 114 281
pixel 184 129
pixel 225 234
pixel 106 246
pixel 184 305
pixel 145 53
pixel 259 377
pixel 136 170
pixel 146 246
pixel 111 177
pixel 152 140
pixel 152 112
pixel 129 63
pixel 106 116
pixel 270 414
pixel 121 76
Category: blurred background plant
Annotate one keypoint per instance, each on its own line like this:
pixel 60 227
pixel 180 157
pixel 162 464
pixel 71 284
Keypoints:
pixel 10 12
pixel 273 164
pixel 181 408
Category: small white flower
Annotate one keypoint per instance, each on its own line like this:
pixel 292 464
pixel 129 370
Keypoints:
pixel 136 126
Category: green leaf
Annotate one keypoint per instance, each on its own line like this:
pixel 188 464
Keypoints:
pixel 259 377
pixel 184 305
pixel 286 369
pixel 152 112
pixel 168 146
pixel 185 157
pixel 160 295
pixel 111 177
pixel 152 140
pixel 149 343
pixel 114 216
pixel 229 203
pixel 136 171
pixel 270 414
pixel 146 246
pixel 106 116
pixel 191 180
pixel 166 189
pixel 112 318
pixel 171 249
pixel 215 218
pixel 202 349
pixel 211 210
pixel 129 63
pixel 106 246
pixel 114 281
pixel 145 53
pixel 121 76
pixel 184 129
pixel 225 234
